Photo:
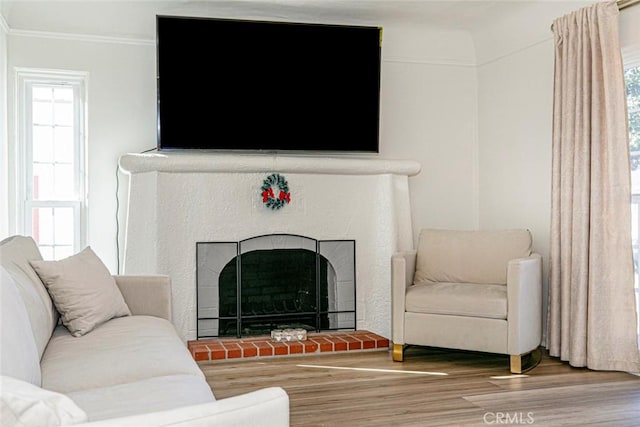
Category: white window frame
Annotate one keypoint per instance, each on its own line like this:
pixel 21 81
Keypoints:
pixel 25 80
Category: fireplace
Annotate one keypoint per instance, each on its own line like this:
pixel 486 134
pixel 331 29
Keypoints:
pixel 275 281
pixel 176 199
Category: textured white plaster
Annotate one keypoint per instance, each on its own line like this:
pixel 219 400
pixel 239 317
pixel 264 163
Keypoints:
pixel 178 199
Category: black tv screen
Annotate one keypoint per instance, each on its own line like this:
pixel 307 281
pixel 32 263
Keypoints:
pixel 267 86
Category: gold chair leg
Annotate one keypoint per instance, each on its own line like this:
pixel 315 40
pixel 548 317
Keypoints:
pixel 398 352
pixel 516 364
pixel 521 363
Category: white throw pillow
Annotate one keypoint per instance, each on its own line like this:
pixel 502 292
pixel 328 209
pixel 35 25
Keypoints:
pixel 83 291
pixel 25 405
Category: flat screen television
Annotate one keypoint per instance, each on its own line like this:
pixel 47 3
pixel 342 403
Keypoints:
pixel 267 86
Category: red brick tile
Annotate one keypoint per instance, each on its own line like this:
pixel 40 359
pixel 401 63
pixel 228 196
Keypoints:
pixel 295 347
pixel 200 354
pixel 339 345
pixel 228 345
pixel 218 354
pixel 233 350
pixel 280 349
pixel 382 343
pixel 352 343
pixel 325 344
pixel 310 346
pixel 248 350
pixel 368 343
pixel 264 349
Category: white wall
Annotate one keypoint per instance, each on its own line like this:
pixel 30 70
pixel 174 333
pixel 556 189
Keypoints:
pixel 428 114
pixel 4 166
pixel 121 114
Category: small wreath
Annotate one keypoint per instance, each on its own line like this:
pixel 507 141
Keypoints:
pixel 268 195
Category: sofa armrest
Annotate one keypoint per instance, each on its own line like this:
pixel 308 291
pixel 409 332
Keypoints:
pixel 403 267
pixel 269 406
pixel 147 295
pixel 524 304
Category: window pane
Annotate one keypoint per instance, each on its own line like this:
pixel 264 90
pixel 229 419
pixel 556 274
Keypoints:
pixel 63 93
pixel 46 252
pixel 43 226
pixel 63 137
pixel 43 182
pixel 42 113
pixel 61 252
pixel 42 144
pixel 64 188
pixel 63 226
pixel 64 113
pixel 42 93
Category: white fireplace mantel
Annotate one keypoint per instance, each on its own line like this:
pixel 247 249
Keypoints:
pixel 203 161
pixel 179 198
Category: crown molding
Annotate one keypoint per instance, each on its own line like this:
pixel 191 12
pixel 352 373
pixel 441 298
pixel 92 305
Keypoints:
pixel 91 38
pixel 435 62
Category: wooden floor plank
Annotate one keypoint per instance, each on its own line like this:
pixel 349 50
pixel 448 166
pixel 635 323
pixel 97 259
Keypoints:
pixel 476 389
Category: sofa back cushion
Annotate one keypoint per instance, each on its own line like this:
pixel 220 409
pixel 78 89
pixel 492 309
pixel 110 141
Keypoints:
pixel 15 254
pixel 469 256
pixel 18 353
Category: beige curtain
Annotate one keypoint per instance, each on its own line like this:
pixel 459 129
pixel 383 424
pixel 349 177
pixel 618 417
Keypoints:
pixel 592 316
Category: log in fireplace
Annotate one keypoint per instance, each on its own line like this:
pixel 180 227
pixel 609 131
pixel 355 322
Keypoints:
pixel 275 281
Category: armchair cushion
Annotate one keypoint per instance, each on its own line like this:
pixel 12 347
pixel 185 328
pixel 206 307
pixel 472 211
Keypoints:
pixel 459 299
pixel 480 257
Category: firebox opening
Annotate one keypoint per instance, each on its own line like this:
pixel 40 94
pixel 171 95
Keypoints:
pixel 275 281
pixel 278 290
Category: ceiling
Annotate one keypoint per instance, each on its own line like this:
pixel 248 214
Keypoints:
pixel 136 18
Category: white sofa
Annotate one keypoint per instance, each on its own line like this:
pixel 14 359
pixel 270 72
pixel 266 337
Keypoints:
pixel 129 371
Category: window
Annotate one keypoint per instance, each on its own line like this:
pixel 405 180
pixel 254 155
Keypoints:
pixel 52 136
pixel 632 81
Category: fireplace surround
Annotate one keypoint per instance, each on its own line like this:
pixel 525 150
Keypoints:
pixel 276 281
pixel 176 199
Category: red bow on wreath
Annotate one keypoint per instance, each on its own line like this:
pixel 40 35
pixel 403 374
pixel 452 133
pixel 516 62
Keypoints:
pixel 267 194
pixel 285 196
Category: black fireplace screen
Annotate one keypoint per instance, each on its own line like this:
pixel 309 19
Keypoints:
pixel 274 282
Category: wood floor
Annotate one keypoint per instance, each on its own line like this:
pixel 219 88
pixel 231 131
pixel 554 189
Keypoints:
pixel 434 387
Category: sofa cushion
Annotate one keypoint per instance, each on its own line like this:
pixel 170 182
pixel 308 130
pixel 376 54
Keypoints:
pixel 19 356
pixel 122 350
pixel 24 404
pixel 83 291
pixel 15 254
pixel 469 256
pixel 459 299
pixel 139 397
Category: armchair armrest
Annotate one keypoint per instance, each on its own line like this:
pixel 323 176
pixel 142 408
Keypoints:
pixel 269 406
pixel 146 295
pixel 403 267
pixel 524 304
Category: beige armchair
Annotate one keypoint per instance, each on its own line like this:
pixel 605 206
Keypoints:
pixel 469 290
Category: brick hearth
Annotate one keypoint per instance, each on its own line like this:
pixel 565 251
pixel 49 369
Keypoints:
pixel 219 349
